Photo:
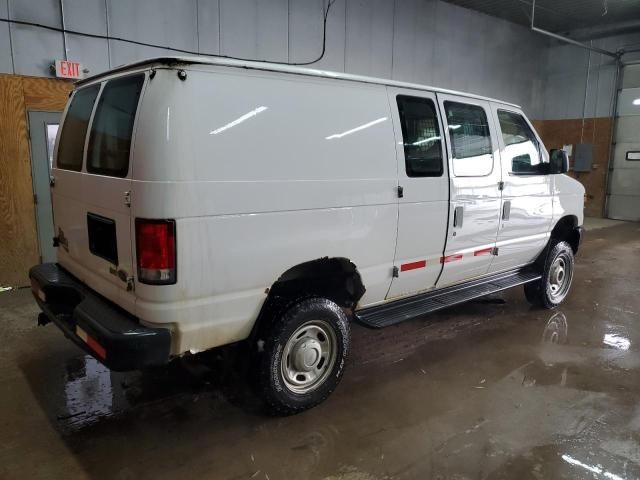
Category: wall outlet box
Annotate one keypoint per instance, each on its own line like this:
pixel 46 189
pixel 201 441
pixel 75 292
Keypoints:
pixel 583 157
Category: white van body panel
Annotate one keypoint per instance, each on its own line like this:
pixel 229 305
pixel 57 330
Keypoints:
pixel 262 195
pixel 265 167
pixel 568 198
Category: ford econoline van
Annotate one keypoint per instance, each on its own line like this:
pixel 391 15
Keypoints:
pixel 200 202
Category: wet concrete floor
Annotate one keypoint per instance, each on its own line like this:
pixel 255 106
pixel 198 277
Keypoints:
pixel 490 389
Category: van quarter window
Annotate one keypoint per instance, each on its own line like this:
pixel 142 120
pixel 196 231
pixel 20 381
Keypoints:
pixel 470 139
pixel 75 128
pixel 521 145
pixel 421 136
pixel 110 136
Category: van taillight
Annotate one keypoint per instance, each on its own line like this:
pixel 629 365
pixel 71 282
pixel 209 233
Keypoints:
pixel 156 251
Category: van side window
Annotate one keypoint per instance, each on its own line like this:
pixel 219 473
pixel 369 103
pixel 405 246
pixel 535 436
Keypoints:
pixel 521 145
pixel 74 129
pixel 421 136
pixel 110 137
pixel 470 139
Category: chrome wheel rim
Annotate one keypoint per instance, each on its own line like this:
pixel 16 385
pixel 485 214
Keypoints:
pixel 309 356
pixel 560 275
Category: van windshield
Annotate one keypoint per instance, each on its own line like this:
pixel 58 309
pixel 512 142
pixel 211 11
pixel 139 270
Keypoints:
pixel 110 136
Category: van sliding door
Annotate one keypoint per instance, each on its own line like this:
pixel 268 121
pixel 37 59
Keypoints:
pixel 475 176
pixel 423 191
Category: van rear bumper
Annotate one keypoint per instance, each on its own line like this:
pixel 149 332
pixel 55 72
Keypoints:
pixel 98 326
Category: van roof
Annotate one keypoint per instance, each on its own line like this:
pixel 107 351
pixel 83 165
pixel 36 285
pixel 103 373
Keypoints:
pixel 278 67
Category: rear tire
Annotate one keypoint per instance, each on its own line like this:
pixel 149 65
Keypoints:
pixel 302 354
pixel 557 274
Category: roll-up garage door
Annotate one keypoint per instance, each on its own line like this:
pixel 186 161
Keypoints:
pixel 624 185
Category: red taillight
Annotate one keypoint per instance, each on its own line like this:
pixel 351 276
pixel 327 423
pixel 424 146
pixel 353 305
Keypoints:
pixel 156 251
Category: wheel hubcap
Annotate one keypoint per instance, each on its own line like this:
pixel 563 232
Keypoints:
pixel 559 277
pixel 309 356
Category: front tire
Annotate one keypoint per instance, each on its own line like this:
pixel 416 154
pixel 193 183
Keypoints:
pixel 302 357
pixel 557 275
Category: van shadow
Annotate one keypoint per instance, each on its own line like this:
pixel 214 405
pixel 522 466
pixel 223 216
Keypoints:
pixel 81 392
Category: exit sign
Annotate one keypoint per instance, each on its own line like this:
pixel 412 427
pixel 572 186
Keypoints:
pixel 66 69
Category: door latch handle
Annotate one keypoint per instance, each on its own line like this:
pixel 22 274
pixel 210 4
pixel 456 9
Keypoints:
pixel 458 214
pixel 506 210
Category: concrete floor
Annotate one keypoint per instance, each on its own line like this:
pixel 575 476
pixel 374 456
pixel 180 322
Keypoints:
pixel 491 389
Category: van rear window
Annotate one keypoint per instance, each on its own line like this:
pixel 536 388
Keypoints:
pixel 74 129
pixel 420 136
pixel 110 136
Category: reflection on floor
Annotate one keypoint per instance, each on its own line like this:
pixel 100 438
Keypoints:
pixel 490 389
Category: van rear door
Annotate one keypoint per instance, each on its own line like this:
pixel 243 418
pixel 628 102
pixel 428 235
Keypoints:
pixel 92 186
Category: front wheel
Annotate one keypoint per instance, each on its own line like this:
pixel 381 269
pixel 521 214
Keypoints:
pixel 551 290
pixel 302 355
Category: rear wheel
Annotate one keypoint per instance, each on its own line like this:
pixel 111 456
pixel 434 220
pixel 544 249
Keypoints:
pixel 551 290
pixel 302 357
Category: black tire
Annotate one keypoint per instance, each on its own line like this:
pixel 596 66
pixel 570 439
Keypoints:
pixel 549 291
pixel 322 323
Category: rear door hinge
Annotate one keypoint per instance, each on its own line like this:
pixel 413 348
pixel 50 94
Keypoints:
pixel 500 185
pixel 127 198
pixel 400 191
pixel 395 273
pixel 35 198
pixel 494 252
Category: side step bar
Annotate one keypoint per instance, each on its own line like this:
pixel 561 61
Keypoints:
pixel 406 308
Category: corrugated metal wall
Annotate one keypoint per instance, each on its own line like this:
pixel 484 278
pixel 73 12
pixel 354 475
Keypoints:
pixel 425 41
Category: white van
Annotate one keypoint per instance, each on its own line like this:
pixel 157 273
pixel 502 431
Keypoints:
pixel 201 202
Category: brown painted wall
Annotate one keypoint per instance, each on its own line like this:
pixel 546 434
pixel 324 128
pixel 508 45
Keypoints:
pixel 556 133
pixel 18 240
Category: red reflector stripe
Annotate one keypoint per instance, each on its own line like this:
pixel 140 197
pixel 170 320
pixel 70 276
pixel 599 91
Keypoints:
pixel 451 258
pixel 96 347
pixel 413 265
pixel 484 251
pixel 91 342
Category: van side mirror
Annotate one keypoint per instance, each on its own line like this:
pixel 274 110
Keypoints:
pixel 558 161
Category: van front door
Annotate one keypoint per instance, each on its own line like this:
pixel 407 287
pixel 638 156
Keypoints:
pixel 475 176
pixel 527 200
pixel 423 191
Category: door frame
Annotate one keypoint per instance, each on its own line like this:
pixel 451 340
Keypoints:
pixel 41 233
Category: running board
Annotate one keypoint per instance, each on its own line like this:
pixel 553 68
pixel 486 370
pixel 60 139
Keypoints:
pixel 406 308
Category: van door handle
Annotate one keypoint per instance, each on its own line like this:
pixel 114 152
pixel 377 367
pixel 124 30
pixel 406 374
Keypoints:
pixel 506 210
pixel 458 214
